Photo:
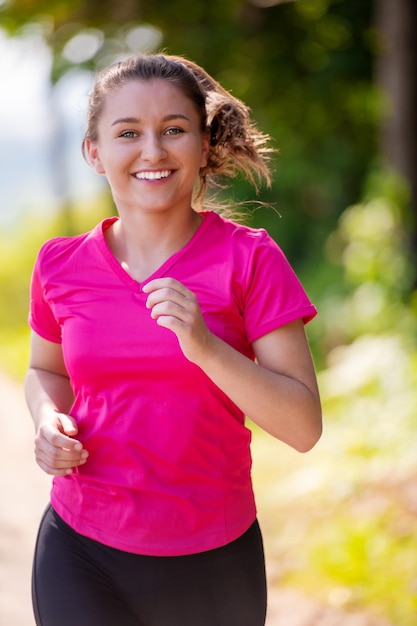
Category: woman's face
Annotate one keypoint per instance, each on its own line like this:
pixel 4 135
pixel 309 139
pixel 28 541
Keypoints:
pixel 150 146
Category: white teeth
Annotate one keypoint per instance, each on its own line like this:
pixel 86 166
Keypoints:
pixel 153 175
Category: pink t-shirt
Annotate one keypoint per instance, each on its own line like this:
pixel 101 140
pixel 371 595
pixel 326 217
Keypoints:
pixel 169 470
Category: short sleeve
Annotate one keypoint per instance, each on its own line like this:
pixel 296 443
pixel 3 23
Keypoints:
pixel 274 295
pixel 41 318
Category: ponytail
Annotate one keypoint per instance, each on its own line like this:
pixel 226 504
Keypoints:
pixel 236 144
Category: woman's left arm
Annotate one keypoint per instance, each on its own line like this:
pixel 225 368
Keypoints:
pixel 279 393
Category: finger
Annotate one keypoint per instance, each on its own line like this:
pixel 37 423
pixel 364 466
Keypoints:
pixel 171 323
pixel 171 309
pixel 166 295
pixel 166 288
pixel 53 439
pixel 55 471
pixel 59 460
pixel 58 465
pixel 68 424
pixel 46 450
pixel 52 433
pixel 48 469
pixel 160 283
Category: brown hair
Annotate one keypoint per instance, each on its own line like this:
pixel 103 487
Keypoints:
pixel 236 145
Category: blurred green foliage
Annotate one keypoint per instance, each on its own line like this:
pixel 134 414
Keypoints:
pixel 359 499
pixel 305 68
pixel 342 518
pixel 19 244
pixel 359 547
pixel 365 284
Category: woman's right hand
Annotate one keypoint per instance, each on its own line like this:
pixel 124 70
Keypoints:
pixel 57 450
pixel 50 397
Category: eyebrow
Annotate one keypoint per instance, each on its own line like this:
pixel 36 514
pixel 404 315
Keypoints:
pixel 135 120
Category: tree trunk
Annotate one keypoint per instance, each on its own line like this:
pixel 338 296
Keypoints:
pixel 396 74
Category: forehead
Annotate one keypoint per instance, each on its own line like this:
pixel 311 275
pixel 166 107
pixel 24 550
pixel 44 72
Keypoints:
pixel 156 97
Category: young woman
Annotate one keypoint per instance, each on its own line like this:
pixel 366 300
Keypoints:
pixel 154 335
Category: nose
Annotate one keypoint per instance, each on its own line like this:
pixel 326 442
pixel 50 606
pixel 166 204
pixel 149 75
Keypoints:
pixel 152 148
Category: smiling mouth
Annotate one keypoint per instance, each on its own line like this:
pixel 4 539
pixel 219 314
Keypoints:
pixel 153 175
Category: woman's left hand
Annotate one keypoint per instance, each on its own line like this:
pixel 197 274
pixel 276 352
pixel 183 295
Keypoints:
pixel 175 307
pixel 279 392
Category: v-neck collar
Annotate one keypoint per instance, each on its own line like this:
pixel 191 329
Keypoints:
pixel 162 270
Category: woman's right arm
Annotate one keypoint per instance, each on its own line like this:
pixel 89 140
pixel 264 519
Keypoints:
pixel 49 397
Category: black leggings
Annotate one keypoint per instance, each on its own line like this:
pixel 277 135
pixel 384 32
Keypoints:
pixel 80 582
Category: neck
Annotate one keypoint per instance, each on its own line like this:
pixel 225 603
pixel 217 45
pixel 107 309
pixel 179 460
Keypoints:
pixel 155 231
pixel 143 243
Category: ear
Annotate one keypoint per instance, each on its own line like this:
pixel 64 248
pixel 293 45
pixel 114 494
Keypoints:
pixel 205 148
pixel 93 157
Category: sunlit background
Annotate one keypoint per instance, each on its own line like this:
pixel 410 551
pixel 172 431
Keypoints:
pixel 335 84
pixel 38 124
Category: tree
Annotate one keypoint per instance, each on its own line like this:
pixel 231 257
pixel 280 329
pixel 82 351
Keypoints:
pixel 397 78
pixel 304 67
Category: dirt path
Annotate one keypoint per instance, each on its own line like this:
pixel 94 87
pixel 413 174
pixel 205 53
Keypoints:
pixel 24 494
